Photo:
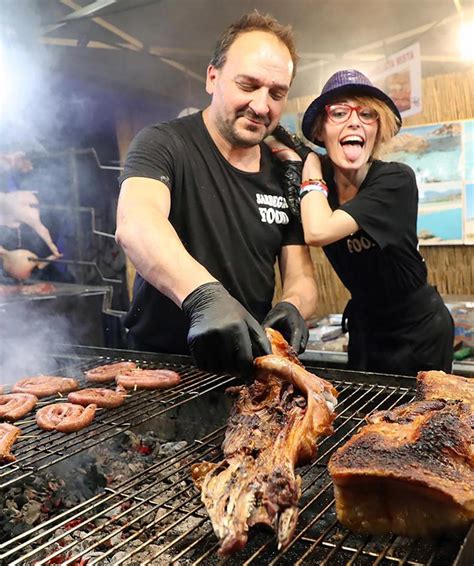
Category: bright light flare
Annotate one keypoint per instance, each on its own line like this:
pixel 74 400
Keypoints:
pixel 466 40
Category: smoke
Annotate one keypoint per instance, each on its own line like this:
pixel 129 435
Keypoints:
pixel 29 333
pixel 25 66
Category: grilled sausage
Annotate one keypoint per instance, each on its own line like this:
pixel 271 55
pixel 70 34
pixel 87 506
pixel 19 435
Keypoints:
pixel 148 379
pixel 45 385
pixel 16 405
pixel 101 374
pixel 105 398
pixel 65 417
pixel 8 435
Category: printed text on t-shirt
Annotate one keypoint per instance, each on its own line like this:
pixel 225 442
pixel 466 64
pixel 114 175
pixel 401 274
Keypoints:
pixel 270 213
pixel 359 244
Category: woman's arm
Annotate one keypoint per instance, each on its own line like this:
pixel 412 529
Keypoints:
pixel 322 225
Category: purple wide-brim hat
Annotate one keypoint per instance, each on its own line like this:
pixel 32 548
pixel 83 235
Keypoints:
pixel 345 82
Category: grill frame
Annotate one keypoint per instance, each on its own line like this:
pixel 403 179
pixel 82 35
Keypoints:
pixel 108 422
pixel 313 539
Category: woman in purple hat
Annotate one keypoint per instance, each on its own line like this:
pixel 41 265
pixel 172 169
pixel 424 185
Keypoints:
pixel 363 212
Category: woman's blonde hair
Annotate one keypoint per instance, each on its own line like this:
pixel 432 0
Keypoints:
pixel 388 122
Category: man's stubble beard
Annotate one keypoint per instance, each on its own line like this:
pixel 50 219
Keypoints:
pixel 228 129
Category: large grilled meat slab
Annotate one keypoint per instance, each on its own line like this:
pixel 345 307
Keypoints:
pixel 440 385
pixel 274 426
pixel 409 471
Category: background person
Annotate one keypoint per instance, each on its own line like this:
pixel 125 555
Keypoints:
pixel 202 214
pixel 363 212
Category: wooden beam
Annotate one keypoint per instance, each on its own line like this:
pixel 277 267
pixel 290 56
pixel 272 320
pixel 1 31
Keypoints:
pixel 68 42
pixel 107 25
pixel 183 69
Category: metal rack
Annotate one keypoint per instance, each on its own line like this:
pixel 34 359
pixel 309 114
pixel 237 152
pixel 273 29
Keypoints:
pixel 158 511
pixel 41 449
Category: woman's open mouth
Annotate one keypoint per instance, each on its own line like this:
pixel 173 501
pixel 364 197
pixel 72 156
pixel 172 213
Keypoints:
pixel 352 146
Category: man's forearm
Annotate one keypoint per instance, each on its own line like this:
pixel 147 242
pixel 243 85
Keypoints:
pixel 161 259
pixel 304 296
pixel 298 283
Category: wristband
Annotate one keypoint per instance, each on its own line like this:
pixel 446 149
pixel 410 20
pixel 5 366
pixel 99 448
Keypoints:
pixel 313 182
pixel 311 188
pixel 315 186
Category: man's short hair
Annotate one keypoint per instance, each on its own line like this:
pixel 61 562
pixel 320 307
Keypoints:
pixel 253 21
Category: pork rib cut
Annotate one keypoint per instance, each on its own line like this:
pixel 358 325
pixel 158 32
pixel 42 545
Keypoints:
pixel 440 385
pixel 409 471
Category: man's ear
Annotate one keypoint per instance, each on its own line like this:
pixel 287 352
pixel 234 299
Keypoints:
pixel 211 79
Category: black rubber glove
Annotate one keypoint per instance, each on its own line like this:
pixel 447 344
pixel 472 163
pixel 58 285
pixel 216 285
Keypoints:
pixel 291 172
pixel 223 336
pixel 286 318
pixel 292 141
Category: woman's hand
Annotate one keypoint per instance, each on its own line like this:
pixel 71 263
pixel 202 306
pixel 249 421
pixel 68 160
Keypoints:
pixel 281 151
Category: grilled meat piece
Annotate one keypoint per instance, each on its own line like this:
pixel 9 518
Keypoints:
pixel 108 372
pixel 65 417
pixel 16 405
pixel 105 398
pixel 45 385
pixel 8 435
pixel 409 471
pixel 147 379
pixel 44 288
pixel 440 385
pixel 274 426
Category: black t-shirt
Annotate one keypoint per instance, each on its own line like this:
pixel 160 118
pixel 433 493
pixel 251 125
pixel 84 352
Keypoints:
pixel 232 222
pixel 380 263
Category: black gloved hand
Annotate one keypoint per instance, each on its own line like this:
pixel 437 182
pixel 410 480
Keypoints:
pixel 286 318
pixel 223 336
pixel 291 172
pixel 292 141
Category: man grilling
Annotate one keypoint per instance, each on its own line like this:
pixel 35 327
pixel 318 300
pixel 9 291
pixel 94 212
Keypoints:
pixel 202 214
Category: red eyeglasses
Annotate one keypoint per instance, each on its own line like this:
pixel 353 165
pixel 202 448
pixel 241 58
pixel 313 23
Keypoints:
pixel 340 113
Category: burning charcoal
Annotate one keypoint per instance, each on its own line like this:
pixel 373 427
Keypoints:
pixel 170 448
pixel 65 539
pixel 130 562
pixel 20 500
pixel 32 512
pixel 11 505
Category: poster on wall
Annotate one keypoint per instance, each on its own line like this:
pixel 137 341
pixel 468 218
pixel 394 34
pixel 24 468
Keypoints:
pixel 441 155
pixel 469 221
pixel 468 138
pixel 399 75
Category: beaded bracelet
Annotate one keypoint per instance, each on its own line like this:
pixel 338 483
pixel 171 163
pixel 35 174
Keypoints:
pixel 312 182
pixel 316 187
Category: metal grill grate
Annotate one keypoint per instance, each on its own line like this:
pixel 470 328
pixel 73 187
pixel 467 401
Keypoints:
pixel 36 449
pixel 156 517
